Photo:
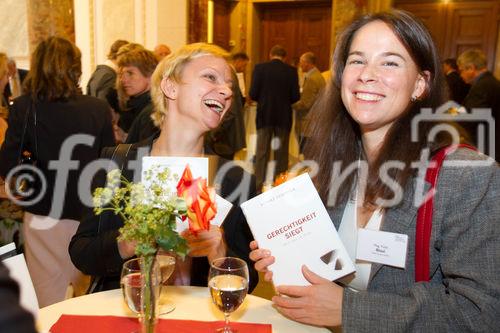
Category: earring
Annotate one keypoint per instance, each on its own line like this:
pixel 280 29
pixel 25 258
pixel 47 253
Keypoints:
pixel 413 99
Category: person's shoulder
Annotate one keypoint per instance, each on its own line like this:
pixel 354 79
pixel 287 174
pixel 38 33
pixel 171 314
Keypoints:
pixel 105 70
pixel 21 100
pixel 91 100
pixel 487 79
pixel 90 104
pixel 316 76
pixel 260 66
pixel 145 143
pixel 471 166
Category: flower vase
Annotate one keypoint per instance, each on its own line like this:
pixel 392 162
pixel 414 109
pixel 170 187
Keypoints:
pixel 149 294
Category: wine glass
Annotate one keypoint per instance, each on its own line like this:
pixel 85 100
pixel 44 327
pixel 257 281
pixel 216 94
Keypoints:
pixel 132 281
pixel 228 284
pixel 166 265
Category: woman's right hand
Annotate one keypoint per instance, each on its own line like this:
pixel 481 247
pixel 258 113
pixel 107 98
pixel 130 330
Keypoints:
pixel 126 248
pixel 263 259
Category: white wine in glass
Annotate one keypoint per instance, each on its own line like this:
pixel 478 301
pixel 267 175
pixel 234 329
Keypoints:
pixel 228 284
pixel 166 264
pixel 131 283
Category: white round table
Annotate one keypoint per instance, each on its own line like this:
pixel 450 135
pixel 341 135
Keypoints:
pixel 191 303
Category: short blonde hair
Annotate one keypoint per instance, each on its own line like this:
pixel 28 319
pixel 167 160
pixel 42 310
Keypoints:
pixel 171 67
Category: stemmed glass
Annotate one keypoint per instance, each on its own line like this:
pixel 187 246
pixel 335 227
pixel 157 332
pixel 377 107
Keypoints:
pixel 131 283
pixel 166 264
pixel 228 284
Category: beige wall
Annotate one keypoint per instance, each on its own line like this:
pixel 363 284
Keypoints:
pixel 14 31
pixel 98 23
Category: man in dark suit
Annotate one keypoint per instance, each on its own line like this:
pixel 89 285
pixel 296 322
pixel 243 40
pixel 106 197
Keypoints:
pixel 457 87
pixel 485 88
pixel 16 77
pixel 275 87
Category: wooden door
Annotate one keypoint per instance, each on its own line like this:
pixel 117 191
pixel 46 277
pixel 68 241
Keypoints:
pixel 298 28
pixel 459 25
pixel 222 12
pixel 472 25
pixel 433 15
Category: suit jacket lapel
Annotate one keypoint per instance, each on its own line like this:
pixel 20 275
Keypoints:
pixel 400 219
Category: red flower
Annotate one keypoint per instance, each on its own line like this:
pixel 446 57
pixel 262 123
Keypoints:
pixel 200 200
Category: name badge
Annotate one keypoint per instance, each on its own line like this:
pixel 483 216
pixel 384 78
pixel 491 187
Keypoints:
pixel 382 247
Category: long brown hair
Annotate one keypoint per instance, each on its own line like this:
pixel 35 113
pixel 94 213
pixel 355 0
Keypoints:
pixel 337 137
pixel 55 70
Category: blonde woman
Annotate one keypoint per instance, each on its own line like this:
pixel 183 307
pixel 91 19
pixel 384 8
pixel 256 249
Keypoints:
pixel 191 93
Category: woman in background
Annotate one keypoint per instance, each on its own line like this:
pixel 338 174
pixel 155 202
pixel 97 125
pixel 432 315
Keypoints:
pixel 386 68
pixel 135 68
pixel 55 111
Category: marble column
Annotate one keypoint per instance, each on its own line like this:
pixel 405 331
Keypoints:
pixel 50 18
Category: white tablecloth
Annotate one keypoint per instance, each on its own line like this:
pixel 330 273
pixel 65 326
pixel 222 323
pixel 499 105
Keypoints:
pixel 192 303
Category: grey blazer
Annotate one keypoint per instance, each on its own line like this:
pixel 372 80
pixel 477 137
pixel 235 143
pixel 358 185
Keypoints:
pixel 102 80
pixel 464 292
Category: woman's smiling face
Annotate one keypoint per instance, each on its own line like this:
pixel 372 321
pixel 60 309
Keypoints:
pixel 204 94
pixel 379 79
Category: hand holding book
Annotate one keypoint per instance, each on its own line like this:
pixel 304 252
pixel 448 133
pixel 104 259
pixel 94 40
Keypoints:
pixel 291 223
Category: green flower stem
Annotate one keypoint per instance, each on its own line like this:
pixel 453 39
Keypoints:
pixel 149 315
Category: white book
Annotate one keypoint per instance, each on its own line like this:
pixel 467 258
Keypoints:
pixel 199 168
pixel 291 221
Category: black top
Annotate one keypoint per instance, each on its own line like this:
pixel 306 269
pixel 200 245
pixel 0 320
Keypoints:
pixel 135 105
pixel 142 127
pixel 458 89
pixel 13 318
pixel 56 122
pixel 485 93
pixel 275 87
pixel 94 250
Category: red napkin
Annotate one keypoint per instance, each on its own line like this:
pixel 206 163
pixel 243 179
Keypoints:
pixel 113 324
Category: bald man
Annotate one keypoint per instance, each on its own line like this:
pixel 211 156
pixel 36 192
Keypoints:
pixel 161 51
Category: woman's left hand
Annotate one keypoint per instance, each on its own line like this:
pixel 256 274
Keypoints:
pixel 319 304
pixel 207 243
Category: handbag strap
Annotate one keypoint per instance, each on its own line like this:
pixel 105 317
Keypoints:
pixel 34 129
pixel 31 106
pixel 425 212
pixel 23 135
